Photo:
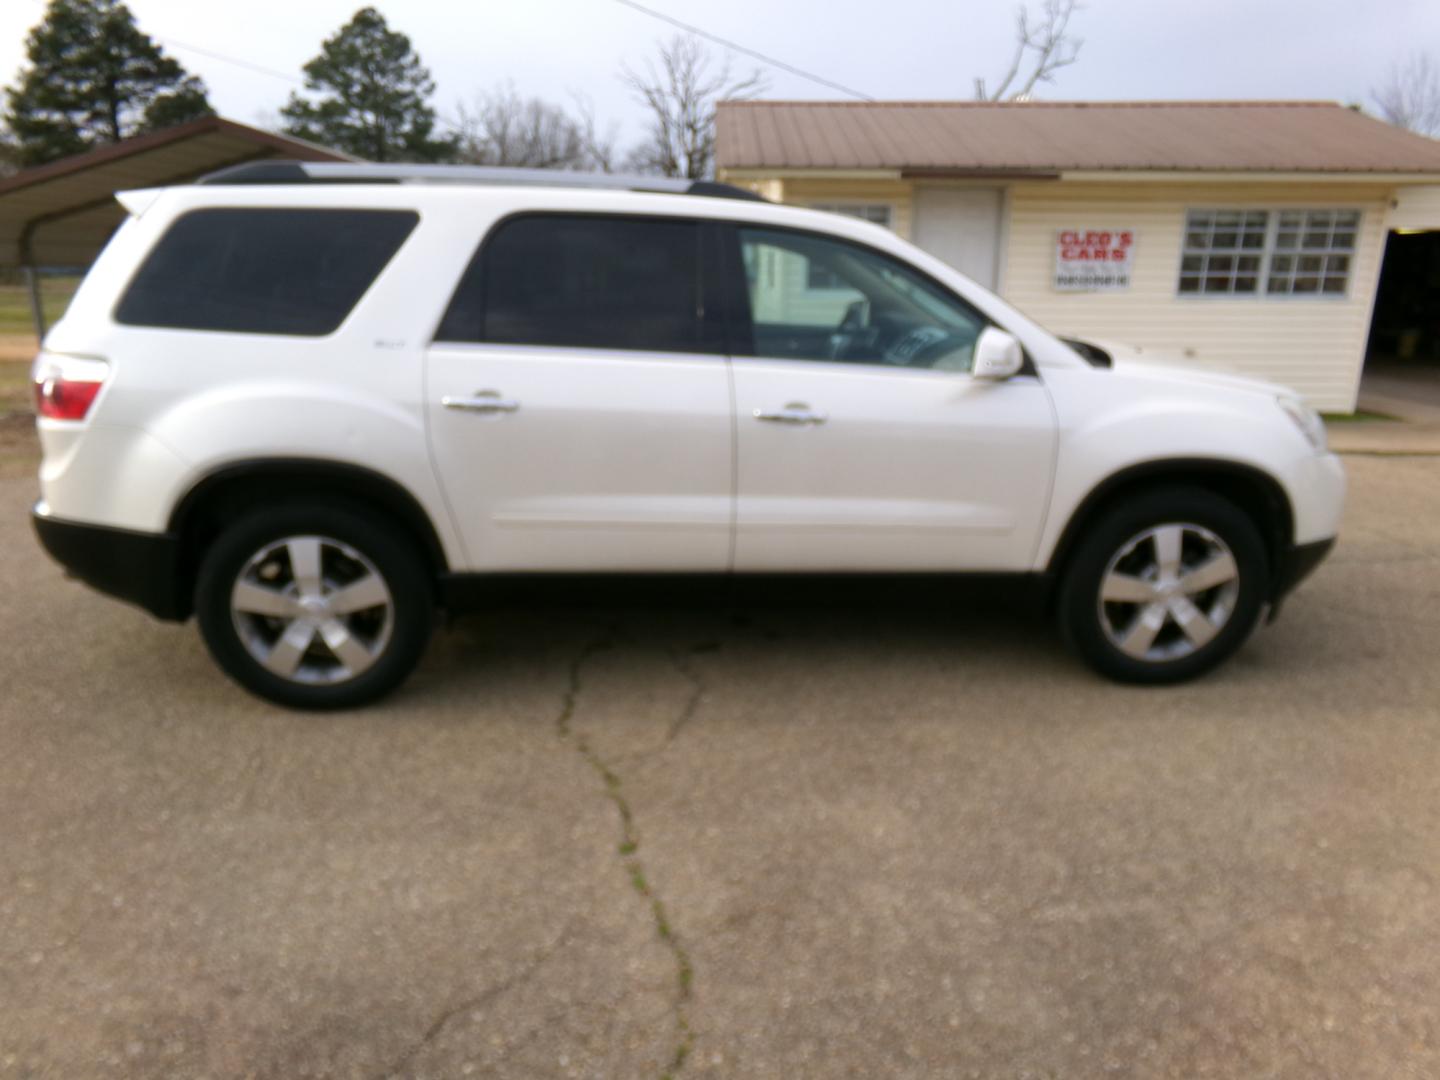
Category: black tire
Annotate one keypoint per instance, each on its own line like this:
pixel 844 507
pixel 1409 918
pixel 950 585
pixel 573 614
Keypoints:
pixel 1084 621
pixel 389 554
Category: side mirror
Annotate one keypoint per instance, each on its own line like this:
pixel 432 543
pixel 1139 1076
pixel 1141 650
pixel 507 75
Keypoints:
pixel 997 355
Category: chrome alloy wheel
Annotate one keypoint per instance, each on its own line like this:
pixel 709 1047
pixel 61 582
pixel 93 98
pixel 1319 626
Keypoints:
pixel 1168 592
pixel 312 610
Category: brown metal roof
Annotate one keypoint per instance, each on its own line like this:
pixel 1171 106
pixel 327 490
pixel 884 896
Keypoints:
pixel 982 138
pixel 63 212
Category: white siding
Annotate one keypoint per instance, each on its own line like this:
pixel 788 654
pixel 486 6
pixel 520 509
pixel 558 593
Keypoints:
pixel 1313 344
pixel 895 194
pixel 1416 208
pixel 785 295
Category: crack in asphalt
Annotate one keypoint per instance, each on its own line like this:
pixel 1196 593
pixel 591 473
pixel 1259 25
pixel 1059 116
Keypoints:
pixel 697 687
pixel 628 849
pixel 480 1000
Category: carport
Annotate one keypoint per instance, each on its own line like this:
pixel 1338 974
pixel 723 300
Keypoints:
pixel 58 216
pixel 1406 323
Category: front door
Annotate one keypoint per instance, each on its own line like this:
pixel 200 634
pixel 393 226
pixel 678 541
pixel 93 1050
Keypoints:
pixel 578 399
pixel 863 443
pixel 962 227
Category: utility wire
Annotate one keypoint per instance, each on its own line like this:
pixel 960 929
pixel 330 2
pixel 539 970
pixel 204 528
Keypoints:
pixel 742 49
pixel 262 69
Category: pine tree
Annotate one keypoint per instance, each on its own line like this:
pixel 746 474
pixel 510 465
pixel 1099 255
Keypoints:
pixel 94 77
pixel 373 96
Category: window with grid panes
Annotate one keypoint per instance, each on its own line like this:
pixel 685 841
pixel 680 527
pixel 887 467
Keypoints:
pixel 1295 252
pixel 1223 251
pixel 1313 251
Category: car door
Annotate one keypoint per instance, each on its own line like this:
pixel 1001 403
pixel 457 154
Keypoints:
pixel 578 399
pixel 863 442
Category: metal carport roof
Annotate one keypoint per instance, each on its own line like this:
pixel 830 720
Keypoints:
pixel 62 213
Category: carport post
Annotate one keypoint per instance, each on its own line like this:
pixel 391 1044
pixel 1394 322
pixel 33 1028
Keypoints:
pixel 37 308
pixel 32 279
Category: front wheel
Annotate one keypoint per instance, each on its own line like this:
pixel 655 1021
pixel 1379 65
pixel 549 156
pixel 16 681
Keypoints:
pixel 314 606
pixel 1165 586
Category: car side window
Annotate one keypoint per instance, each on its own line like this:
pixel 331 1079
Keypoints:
pixel 261 270
pixel 872 309
pixel 585 281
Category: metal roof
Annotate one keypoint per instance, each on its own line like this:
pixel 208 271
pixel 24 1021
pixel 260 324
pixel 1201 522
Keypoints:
pixel 1046 138
pixel 62 213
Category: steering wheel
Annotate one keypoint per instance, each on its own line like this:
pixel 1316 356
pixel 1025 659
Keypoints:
pixel 851 329
pixel 924 345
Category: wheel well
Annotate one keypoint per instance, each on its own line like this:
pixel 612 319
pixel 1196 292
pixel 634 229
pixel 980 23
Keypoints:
pixel 224 495
pixel 1256 493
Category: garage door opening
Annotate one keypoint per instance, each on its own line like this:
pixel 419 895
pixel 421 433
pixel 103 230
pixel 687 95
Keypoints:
pixel 1405 329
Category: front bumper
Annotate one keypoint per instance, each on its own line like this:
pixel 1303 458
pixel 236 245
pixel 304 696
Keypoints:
pixel 1296 564
pixel 137 567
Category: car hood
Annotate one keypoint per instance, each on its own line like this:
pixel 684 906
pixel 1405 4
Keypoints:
pixel 1171 367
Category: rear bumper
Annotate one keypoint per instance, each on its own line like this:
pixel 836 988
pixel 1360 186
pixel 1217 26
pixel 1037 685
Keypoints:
pixel 139 568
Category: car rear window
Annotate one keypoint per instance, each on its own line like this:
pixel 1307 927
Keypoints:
pixel 263 271
pixel 584 281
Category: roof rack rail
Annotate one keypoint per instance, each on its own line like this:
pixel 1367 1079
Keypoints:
pixel 327 172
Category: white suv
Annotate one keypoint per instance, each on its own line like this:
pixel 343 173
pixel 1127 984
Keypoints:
pixel 311 403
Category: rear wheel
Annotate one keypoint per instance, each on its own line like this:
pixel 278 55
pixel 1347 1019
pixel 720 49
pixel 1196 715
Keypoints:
pixel 314 606
pixel 1165 586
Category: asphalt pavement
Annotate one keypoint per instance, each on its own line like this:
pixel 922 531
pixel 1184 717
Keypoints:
pixel 894 839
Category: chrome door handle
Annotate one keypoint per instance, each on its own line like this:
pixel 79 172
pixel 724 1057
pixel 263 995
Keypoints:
pixel 483 401
pixel 793 413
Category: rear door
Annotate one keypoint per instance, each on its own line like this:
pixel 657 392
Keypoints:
pixel 578 398
pixel 862 441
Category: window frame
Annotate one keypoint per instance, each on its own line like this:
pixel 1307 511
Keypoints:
pixel 711 332
pixel 1267 253
pixel 413 213
pixel 741 321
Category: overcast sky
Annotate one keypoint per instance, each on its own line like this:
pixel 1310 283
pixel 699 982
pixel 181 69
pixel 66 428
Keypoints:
pixel 1134 49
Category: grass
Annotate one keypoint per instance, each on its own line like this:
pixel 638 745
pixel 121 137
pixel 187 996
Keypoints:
pixel 1359 416
pixel 19 450
pixel 14 388
pixel 55 294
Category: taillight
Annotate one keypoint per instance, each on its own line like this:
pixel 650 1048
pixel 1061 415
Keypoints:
pixel 59 398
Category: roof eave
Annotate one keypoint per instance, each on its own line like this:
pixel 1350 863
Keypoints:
pixel 1115 174
pixel 136 144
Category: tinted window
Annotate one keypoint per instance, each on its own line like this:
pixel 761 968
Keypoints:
pixel 595 282
pixel 867 307
pixel 263 271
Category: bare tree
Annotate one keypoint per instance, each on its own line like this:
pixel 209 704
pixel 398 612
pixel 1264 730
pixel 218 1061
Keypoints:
pixel 504 128
pixel 1410 95
pixel 1045 45
pixel 681 93
pixel 599 146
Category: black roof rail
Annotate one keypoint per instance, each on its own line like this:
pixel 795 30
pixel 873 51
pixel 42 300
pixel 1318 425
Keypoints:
pixel 325 172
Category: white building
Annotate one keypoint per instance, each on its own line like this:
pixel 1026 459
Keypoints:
pixel 1248 236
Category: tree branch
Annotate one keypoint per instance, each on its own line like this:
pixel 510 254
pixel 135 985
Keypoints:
pixel 1049 46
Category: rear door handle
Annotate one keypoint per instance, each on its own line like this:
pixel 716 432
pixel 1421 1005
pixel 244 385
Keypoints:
pixel 483 401
pixel 794 413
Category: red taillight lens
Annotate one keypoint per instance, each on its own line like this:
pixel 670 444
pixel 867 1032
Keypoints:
pixel 58 398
